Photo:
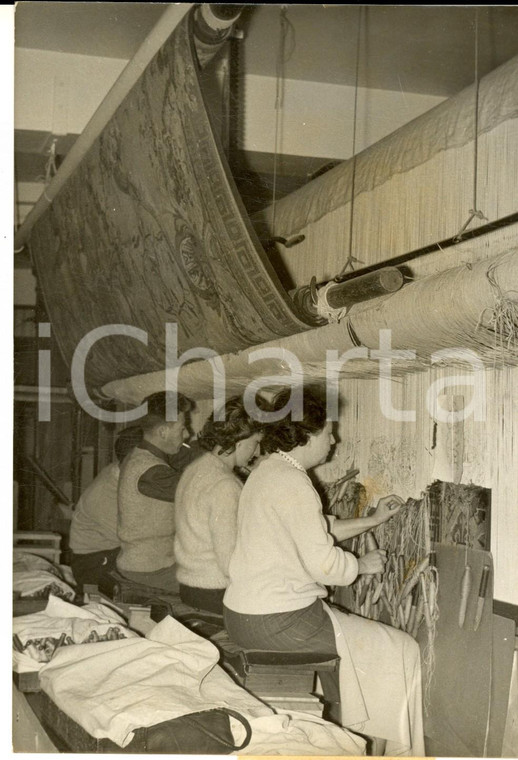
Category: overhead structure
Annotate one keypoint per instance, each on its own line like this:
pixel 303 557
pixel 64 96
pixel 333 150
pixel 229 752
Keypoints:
pixel 413 192
pixel 148 230
pixel 469 311
pixel 413 188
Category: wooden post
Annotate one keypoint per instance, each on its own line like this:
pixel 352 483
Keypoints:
pixel 77 446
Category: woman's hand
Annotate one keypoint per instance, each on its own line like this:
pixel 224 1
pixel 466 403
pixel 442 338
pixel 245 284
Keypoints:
pixel 372 562
pixel 387 507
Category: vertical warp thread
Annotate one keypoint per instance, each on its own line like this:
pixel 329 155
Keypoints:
pixel 475 137
pixel 282 57
pixel 351 260
pixel 474 212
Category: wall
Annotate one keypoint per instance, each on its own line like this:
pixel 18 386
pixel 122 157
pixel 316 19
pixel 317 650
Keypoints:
pixel 56 94
pixel 400 457
pixel 24 287
pixel 59 92
pixel 317 119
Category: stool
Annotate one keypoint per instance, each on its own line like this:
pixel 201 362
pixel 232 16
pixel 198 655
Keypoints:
pixel 280 679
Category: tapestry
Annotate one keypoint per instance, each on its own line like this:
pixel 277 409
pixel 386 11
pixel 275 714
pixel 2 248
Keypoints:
pixel 150 230
pixel 460 514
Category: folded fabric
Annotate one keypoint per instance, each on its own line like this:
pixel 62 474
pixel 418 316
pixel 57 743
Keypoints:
pixel 113 688
pixel 40 584
pixel 23 560
pixel 298 733
pixel 24 663
pixel 61 624
pixel 37 577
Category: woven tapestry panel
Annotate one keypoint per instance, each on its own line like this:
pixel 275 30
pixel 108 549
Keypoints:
pixel 149 230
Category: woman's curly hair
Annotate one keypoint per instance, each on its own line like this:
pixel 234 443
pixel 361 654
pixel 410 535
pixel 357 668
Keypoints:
pixel 237 426
pixel 287 434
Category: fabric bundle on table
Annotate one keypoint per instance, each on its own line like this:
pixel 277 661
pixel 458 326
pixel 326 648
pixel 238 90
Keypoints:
pixel 68 623
pixel 115 687
pixel 36 578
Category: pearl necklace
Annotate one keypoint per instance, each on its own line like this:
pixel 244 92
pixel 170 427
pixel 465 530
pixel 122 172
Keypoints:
pixel 292 461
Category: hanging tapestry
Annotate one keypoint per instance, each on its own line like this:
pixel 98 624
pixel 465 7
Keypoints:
pixel 149 230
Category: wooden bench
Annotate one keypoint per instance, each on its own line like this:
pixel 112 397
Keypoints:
pixel 43 544
pixel 69 736
pixel 280 679
pixel 163 603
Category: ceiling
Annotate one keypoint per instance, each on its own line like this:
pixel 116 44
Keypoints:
pixel 111 30
pixel 424 49
pixel 416 48
pixel 413 48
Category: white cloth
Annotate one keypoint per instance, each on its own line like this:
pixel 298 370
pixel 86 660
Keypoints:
pixel 297 733
pixel 113 688
pixel 284 556
pixel 380 682
pixel 34 583
pixel 22 663
pixel 61 617
pixel 24 561
pixel 32 575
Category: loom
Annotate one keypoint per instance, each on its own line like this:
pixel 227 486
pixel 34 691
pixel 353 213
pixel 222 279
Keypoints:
pixel 413 188
pixel 132 233
pixel 451 296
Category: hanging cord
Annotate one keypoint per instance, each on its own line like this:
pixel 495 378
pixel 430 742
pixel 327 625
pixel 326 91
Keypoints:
pixel 17 218
pixel 50 167
pixel 474 212
pixel 352 260
pixel 286 48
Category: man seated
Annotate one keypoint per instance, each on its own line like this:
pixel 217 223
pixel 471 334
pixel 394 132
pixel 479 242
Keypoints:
pixel 147 485
pixel 93 530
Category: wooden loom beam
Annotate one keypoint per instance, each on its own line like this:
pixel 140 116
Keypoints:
pixel 435 299
pixel 337 295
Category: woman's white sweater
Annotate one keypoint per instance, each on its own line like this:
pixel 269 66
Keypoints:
pixel 284 556
pixel 206 505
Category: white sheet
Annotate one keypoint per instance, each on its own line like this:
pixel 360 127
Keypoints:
pixel 380 682
pixel 112 688
pixel 60 617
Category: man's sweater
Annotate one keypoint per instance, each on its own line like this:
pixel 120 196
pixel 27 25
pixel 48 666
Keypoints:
pixel 206 515
pixel 146 493
pixel 284 555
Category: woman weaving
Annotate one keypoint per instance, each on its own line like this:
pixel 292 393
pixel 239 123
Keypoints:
pixel 285 556
pixel 206 506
